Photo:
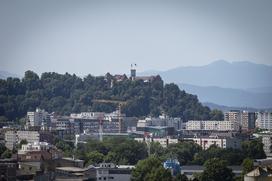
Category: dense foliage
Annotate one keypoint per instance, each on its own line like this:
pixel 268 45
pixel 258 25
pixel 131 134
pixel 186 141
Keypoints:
pixel 116 150
pixel 121 150
pixel 216 170
pixel 65 93
pixel 150 169
pixel 4 152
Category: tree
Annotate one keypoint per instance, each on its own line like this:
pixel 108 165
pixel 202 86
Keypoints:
pixel 156 149
pixel 184 151
pixel 216 115
pixel 2 148
pixel 150 169
pixel 65 93
pixel 247 166
pixel 6 154
pixel 181 177
pixel 216 170
pixel 232 156
pixel 22 142
pixel 253 149
pixel 94 157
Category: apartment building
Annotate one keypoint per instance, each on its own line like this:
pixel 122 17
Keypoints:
pixel 264 120
pixel 248 120
pixel 38 118
pixel 209 125
pixel 12 138
pixel 221 142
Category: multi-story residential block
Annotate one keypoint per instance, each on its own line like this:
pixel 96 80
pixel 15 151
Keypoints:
pixel 88 122
pixel 221 142
pixel 38 118
pixel 210 125
pixel 264 120
pixel 14 137
pixel 233 115
pixel 245 119
pixel 248 120
pixel 267 142
pixel 161 121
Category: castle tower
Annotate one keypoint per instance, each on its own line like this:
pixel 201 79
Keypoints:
pixel 133 71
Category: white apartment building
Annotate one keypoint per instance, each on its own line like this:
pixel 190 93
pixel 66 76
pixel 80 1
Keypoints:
pixel 36 146
pixel 264 120
pixel 15 137
pixel 164 142
pixel 224 142
pixel 38 118
pixel 267 142
pixel 212 125
pixel 161 121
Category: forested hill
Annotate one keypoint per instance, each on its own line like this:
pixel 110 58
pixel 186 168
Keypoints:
pixel 65 93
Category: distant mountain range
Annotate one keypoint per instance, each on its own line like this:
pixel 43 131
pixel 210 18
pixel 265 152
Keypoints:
pixel 230 97
pixel 236 84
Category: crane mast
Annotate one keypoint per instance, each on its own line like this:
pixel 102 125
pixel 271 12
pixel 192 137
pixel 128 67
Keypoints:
pixel 119 109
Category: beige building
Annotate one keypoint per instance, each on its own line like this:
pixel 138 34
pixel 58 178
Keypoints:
pixel 259 174
pixel 12 138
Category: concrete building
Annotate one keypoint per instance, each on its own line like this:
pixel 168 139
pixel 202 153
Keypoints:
pixel 38 118
pixel 248 120
pixel 15 137
pixel 8 169
pixel 212 125
pixel 88 122
pixel 259 174
pixel 233 115
pixel 267 142
pixel 264 120
pixel 164 142
pixel 163 120
pixel 245 119
pixel 221 142
pixel 36 146
pixel 112 172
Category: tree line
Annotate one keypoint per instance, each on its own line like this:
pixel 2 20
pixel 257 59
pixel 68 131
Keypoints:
pixel 66 93
pixel 126 151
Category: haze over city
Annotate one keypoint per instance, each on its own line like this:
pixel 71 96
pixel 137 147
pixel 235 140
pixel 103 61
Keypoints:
pixel 105 36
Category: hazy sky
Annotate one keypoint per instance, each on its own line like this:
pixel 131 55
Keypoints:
pixel 96 37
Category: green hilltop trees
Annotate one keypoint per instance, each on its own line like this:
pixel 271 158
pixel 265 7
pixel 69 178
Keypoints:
pixel 66 93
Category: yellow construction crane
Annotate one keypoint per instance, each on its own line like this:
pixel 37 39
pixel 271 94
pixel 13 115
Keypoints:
pixel 119 103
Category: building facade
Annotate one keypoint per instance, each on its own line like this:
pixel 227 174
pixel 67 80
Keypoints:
pixel 212 125
pixel 221 142
pixel 264 120
pixel 12 138
pixel 38 118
